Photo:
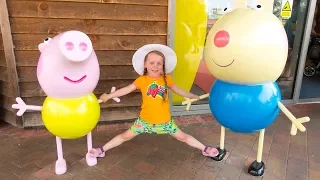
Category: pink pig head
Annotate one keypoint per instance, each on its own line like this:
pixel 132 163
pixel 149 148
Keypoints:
pixel 68 66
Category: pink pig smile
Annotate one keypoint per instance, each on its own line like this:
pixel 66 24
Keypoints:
pixel 75 81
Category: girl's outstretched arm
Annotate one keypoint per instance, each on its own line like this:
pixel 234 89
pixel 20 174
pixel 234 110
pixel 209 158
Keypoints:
pixel 118 93
pixel 183 93
pixel 188 96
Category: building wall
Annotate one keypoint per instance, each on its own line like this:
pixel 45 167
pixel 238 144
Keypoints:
pixel 117 29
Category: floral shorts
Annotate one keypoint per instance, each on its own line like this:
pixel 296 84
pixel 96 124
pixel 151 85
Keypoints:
pixel 141 126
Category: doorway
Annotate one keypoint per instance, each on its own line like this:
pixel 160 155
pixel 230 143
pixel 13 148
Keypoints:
pixel 310 85
pixel 307 83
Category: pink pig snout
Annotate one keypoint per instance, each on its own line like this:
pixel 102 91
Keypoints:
pixel 75 46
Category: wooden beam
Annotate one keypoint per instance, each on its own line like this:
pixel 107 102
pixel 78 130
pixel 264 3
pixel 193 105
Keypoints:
pixel 100 42
pixel 9 54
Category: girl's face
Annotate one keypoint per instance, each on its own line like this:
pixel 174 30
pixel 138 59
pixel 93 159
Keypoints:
pixel 154 65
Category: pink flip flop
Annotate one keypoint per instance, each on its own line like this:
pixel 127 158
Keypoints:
pixel 212 153
pixel 96 153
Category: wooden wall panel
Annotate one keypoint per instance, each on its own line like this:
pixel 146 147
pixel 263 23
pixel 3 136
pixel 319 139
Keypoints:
pixel 8 116
pixel 89 26
pixel 7 103
pixel 141 2
pixel 106 57
pixel 3 73
pixel 100 42
pixel 2 56
pixel 8 74
pixel 2 60
pixel 29 74
pixel 33 89
pixel 74 10
pixel 5 89
pixel 6 112
pixel 1 44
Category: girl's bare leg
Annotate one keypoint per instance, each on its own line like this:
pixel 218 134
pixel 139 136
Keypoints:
pixel 191 141
pixel 116 141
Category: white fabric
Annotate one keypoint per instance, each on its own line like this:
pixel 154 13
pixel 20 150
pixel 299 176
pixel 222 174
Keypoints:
pixel 140 54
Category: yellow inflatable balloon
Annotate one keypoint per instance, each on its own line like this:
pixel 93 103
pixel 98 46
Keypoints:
pixel 233 54
pixel 189 36
pixel 71 118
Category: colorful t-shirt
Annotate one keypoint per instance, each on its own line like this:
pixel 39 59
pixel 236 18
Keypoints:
pixel 153 109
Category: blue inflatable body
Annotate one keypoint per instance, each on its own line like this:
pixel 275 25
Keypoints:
pixel 244 108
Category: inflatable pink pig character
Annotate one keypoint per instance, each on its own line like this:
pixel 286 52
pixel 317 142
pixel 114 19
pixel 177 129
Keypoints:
pixel 68 72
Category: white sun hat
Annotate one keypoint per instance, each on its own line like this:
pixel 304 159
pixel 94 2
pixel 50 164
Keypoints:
pixel 140 54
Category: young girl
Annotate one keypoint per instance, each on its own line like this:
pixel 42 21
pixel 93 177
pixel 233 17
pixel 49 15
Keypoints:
pixel 153 62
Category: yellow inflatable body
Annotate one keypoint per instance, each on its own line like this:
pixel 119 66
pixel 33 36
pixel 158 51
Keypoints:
pixel 189 37
pixel 71 118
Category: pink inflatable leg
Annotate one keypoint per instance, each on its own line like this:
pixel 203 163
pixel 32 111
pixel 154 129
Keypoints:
pixel 91 161
pixel 61 165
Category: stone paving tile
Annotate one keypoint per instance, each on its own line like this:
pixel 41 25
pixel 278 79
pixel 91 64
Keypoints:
pixel 212 166
pixel 135 174
pixel 26 171
pixel 46 172
pixel 165 169
pixel 77 167
pixel 193 161
pixel 8 175
pixel 202 175
pixel 154 176
pixel 297 168
pixel 313 175
pixel 236 160
pixel 42 162
pixel 130 161
pixel 229 172
pixel 183 174
pixel 31 154
pixel 90 173
pixel 144 167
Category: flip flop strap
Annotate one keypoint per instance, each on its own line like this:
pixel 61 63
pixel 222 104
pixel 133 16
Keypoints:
pixel 205 149
pixel 101 148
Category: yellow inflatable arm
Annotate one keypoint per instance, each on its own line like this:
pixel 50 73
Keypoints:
pixel 296 123
pixel 189 101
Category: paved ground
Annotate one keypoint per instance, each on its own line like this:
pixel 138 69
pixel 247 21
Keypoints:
pixel 31 154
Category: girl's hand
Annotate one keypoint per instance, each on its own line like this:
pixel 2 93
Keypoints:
pixel 194 97
pixel 184 93
pixel 104 97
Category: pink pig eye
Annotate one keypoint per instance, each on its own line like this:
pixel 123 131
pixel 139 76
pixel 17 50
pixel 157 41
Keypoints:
pixel 46 40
